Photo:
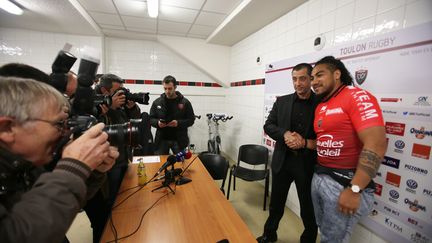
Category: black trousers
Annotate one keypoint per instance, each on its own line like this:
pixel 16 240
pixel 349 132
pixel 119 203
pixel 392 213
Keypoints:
pixel 292 171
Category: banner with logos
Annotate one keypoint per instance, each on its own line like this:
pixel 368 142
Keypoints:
pixel 396 68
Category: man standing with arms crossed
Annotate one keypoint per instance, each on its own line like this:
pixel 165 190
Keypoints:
pixel 290 117
pixel 350 145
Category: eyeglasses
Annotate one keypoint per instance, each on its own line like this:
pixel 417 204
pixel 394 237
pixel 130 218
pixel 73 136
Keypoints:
pixel 60 125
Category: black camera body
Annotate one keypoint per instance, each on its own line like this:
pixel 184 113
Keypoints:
pixel 60 68
pixel 140 97
pixel 133 133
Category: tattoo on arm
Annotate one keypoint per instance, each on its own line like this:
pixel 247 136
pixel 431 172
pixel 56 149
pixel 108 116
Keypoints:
pixel 369 162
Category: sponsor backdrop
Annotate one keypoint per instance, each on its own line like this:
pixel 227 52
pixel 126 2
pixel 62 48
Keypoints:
pixel 395 68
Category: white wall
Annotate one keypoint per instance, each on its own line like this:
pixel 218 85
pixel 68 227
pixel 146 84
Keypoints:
pixel 340 21
pixel 211 59
pixel 39 49
pixel 150 60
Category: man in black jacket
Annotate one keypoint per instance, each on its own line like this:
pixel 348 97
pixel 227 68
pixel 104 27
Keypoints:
pixel 121 111
pixel 290 124
pixel 171 114
pixel 35 205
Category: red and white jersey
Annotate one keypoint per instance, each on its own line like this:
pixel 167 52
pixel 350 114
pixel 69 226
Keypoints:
pixel 337 122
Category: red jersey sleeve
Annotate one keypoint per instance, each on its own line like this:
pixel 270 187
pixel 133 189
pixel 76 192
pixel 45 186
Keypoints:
pixel 364 110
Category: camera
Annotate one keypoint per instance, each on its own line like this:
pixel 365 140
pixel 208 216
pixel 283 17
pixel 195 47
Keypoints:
pixel 60 68
pixel 100 99
pixel 141 97
pixel 133 133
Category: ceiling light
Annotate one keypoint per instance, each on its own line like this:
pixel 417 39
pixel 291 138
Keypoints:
pixel 10 7
pixel 153 8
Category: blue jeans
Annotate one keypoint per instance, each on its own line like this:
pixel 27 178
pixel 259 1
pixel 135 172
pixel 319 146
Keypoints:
pixel 333 224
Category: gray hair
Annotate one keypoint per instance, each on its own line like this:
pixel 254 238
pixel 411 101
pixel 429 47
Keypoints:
pixel 25 99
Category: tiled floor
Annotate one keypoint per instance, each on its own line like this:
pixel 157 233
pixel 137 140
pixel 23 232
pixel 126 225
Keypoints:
pixel 247 200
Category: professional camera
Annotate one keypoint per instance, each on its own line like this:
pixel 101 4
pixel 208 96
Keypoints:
pixel 100 99
pixel 132 133
pixel 60 68
pixel 141 97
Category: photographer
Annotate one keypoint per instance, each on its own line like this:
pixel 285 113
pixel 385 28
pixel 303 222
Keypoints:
pixel 37 206
pixel 120 111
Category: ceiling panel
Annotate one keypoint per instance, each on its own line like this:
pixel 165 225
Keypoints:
pixel 105 6
pixel 177 14
pixel 113 27
pixel 103 18
pixel 136 22
pixel 197 36
pixel 129 18
pixel 132 8
pixel 222 6
pixel 143 30
pixel 201 30
pixel 210 19
pixel 192 4
pixel 173 26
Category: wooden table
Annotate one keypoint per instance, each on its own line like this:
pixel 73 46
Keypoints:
pixel 197 212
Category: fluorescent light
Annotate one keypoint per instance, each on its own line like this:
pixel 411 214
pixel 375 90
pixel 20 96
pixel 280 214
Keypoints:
pixel 10 7
pixel 153 8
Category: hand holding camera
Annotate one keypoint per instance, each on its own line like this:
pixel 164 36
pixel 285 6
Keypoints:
pixel 106 165
pixel 92 148
pixel 162 123
pixel 118 100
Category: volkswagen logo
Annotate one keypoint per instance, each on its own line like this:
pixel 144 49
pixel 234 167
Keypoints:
pixel 411 184
pixel 399 144
pixel 394 194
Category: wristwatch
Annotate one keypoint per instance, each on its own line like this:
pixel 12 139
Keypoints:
pixel 355 188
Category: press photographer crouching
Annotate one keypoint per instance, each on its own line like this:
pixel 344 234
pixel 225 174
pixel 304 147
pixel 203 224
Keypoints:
pixel 37 206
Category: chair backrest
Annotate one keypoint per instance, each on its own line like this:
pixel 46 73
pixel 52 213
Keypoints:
pixel 253 154
pixel 216 165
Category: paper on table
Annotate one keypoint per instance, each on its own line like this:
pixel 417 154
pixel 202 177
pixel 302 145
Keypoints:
pixel 145 159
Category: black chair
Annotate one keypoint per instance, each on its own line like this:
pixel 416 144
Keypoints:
pixel 251 154
pixel 217 166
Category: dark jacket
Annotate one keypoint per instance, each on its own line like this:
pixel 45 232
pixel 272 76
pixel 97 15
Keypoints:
pixel 184 115
pixel 278 122
pixel 39 206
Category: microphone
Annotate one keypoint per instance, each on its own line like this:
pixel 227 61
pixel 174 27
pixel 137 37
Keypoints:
pixel 170 161
pixel 182 155
pixel 176 172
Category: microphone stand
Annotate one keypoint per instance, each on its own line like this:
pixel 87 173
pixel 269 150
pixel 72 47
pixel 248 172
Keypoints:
pixel 169 178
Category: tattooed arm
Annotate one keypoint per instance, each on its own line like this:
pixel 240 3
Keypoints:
pixel 374 147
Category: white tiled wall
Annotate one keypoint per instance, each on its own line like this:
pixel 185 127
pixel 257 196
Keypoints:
pixel 340 21
pixel 39 49
pixel 140 59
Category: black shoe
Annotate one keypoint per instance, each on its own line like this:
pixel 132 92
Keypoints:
pixel 267 239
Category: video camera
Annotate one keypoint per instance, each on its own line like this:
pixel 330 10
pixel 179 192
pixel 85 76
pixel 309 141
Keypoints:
pixel 141 97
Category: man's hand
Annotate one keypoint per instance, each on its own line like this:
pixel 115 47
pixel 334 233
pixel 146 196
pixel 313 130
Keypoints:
pixel 130 104
pixel 91 148
pixel 349 202
pixel 161 124
pixel 104 109
pixel 172 123
pixel 108 163
pixel 293 140
pixel 118 100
